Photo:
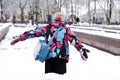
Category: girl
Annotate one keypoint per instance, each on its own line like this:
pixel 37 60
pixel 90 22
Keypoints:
pixel 59 46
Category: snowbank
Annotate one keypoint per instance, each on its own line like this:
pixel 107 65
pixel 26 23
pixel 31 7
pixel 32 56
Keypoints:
pixel 4 28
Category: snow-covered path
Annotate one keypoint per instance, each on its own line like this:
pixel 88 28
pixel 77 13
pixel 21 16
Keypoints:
pixel 17 62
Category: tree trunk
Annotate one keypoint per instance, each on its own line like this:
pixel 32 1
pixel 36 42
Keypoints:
pixel 22 16
pixel 109 14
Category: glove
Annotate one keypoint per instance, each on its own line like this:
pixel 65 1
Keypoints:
pixel 83 53
pixel 17 39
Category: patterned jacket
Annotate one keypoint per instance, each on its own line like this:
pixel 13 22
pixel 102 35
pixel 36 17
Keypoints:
pixel 60 43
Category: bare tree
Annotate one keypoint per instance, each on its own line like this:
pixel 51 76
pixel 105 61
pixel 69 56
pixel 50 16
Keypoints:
pixel 1 5
pixel 59 4
pixel 6 9
pixel 22 7
pixel 94 13
pixel 67 6
pixel 89 13
pixel 36 6
pixel 108 10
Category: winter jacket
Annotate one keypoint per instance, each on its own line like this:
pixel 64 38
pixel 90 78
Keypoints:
pixel 60 44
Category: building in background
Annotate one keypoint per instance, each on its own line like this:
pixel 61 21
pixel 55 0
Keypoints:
pixel 101 16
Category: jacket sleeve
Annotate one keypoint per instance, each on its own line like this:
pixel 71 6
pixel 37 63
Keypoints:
pixel 73 39
pixel 33 33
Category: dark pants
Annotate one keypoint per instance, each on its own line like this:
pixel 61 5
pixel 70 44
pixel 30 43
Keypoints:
pixel 55 65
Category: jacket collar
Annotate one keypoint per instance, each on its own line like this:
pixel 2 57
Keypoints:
pixel 57 24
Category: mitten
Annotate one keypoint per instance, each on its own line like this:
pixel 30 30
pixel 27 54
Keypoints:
pixel 15 40
pixel 83 52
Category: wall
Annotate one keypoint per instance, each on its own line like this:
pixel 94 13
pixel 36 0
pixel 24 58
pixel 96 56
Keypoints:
pixel 105 43
pixel 3 32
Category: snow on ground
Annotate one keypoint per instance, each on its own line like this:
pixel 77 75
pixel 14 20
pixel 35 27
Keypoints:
pixel 98 31
pixel 17 62
pixel 2 26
